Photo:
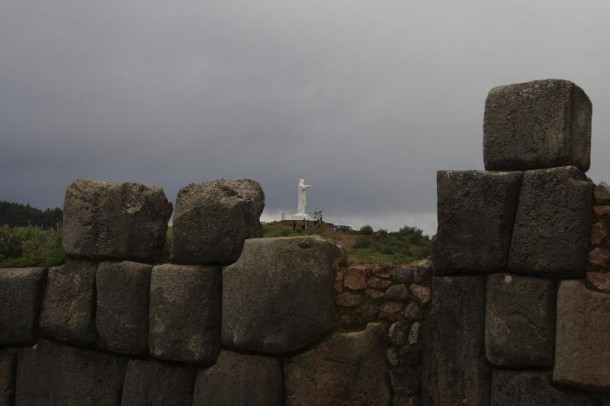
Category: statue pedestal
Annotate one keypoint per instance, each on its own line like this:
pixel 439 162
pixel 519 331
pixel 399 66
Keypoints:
pixel 301 216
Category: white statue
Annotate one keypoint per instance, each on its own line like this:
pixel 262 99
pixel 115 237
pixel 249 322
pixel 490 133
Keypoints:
pixel 302 191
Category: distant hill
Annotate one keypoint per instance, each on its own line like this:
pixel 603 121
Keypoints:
pixel 19 215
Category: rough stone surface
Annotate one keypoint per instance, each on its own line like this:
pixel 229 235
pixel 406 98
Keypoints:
pixel 520 321
pixel 52 375
pixel 410 356
pixel 355 278
pixel 348 369
pixel 397 292
pixel 420 293
pixel 8 366
pixel 454 369
pixel 185 313
pixel 412 312
pixel 391 310
pixel 582 347
pixel 378 283
pixel 68 307
pixel 213 219
pixel 122 306
pixel 476 210
pixel 599 281
pixel 414 333
pixel 152 383
pixel 405 381
pixel 602 194
pixel 398 333
pixel 403 274
pixel 422 270
pixel 278 297
pixel 20 292
pixel 552 224
pixel 529 388
pixel 240 379
pixel 601 210
pixel 538 124
pixel 105 220
pixel 349 299
pixel 599 257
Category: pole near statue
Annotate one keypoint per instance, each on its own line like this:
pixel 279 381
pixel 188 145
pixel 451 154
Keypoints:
pixel 302 196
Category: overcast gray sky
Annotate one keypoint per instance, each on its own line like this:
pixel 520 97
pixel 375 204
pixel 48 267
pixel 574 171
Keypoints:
pixel 366 100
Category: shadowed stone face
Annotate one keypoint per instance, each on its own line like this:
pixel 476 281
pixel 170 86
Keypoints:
pixel 582 347
pixel 20 290
pixel 347 369
pixel 476 210
pixel 106 220
pixel 278 297
pixel 520 321
pixel 552 224
pixel 213 219
pixel 185 313
pixel 538 124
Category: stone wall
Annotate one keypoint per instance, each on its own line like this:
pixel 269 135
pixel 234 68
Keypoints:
pixel 233 319
pixel 520 311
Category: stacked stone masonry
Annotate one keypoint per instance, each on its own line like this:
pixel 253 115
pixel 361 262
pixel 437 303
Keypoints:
pixel 520 311
pixel 282 322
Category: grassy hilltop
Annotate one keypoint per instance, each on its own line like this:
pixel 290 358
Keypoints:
pixel 35 246
pixel 365 245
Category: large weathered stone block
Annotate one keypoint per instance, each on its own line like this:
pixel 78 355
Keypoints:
pixel 278 297
pixel 152 383
pixel 476 210
pixel 520 323
pixel 106 220
pixel 122 306
pixel 8 366
pixel 539 124
pixel 582 344
pixel 213 219
pixel 347 369
pixel 454 369
pixel 56 375
pixel 552 224
pixel 20 297
pixel 531 388
pixel 68 307
pixel 240 379
pixel 185 313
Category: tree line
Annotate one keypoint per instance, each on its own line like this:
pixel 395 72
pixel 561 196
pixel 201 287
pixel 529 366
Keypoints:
pixel 19 215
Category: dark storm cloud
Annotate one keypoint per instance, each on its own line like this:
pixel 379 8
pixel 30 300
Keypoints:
pixel 365 100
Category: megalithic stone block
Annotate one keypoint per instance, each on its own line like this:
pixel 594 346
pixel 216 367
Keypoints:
pixel 520 321
pixel 152 383
pixel 21 291
pixel 347 369
pixel 8 366
pixel 454 369
pixel 552 224
pixel 123 290
pixel 107 220
pixel 538 124
pixel 55 374
pixel 213 219
pixel 532 388
pixel 582 346
pixel 278 297
pixel 185 313
pixel 240 379
pixel 476 210
pixel 68 307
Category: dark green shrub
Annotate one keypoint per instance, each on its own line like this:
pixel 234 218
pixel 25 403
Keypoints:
pixel 366 230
